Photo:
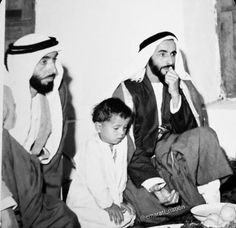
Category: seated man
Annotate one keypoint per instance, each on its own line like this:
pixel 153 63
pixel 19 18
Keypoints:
pixel 31 153
pixel 34 76
pixel 175 158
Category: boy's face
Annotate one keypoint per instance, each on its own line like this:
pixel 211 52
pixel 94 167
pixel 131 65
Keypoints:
pixel 114 130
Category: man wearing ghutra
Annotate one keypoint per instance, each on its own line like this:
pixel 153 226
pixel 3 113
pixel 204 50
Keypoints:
pixel 34 100
pixel 176 156
pixel 34 77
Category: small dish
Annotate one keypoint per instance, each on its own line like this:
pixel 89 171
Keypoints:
pixel 201 212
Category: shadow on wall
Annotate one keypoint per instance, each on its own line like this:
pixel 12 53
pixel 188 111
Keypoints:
pixel 69 145
pixel 185 63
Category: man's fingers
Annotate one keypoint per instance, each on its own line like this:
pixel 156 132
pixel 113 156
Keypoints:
pixel 173 198
pixel 119 217
pixel 171 78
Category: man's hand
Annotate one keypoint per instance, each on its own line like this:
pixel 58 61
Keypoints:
pixel 172 80
pixel 157 187
pixel 115 214
pixel 128 207
pixel 165 197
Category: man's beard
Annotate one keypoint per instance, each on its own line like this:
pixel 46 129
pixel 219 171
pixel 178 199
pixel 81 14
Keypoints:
pixel 157 72
pixel 36 83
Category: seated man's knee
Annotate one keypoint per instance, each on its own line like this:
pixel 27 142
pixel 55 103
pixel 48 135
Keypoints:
pixel 207 132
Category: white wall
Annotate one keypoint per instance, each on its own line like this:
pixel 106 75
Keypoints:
pixel 100 37
pixel 202 47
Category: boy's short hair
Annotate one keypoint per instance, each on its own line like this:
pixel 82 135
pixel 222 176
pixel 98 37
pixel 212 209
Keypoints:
pixel 104 110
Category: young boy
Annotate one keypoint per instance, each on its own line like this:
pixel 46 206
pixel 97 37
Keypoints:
pixel 96 191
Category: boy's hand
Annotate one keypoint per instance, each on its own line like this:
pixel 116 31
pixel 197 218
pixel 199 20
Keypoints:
pixel 115 213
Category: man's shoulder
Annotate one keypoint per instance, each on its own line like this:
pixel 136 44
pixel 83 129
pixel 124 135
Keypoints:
pixel 63 93
pixel 131 82
pixel 63 90
pixel 134 87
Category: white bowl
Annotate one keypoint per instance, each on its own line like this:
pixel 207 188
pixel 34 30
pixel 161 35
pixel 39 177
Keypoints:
pixel 200 212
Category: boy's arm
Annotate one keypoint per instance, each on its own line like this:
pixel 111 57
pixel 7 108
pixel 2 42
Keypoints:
pixel 95 176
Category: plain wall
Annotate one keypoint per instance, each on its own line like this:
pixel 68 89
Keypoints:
pixel 202 48
pixel 100 37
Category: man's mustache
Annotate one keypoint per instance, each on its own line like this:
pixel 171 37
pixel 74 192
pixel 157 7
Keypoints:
pixel 167 67
pixel 51 76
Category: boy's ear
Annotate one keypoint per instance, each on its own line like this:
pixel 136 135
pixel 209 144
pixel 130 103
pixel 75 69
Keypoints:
pixel 98 127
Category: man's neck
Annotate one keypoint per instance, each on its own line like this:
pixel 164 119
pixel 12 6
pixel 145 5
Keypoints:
pixel 152 77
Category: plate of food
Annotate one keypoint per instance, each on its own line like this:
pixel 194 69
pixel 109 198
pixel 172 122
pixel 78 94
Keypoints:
pixel 215 215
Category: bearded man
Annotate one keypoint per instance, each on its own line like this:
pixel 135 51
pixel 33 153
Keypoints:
pixel 177 162
pixel 34 98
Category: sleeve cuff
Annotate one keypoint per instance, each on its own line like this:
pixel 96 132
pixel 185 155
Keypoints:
pixel 7 203
pixel 105 203
pixel 174 110
pixel 152 181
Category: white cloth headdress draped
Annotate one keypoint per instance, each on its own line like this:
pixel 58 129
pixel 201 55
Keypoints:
pixel 137 68
pixel 20 70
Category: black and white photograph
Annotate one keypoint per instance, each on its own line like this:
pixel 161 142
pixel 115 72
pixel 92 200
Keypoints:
pixel 118 113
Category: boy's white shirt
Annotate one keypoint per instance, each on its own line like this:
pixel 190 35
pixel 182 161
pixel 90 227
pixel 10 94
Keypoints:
pixel 97 182
pixel 101 176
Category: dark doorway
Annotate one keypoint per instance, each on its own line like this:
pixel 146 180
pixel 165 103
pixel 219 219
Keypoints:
pixel 20 19
pixel 226 28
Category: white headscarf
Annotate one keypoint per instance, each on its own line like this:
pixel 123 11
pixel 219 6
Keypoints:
pixel 136 70
pixel 20 70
